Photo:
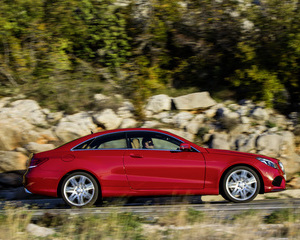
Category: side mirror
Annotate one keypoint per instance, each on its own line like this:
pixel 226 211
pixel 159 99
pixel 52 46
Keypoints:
pixel 185 147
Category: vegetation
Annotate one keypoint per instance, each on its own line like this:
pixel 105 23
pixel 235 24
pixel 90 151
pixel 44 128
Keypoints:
pixel 62 52
pixel 184 223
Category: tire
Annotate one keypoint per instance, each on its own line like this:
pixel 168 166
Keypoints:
pixel 240 185
pixel 80 189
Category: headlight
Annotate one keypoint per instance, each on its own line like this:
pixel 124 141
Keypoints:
pixel 267 162
pixel 281 166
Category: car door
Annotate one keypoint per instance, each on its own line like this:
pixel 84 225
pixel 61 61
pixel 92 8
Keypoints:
pixel 103 155
pixel 164 166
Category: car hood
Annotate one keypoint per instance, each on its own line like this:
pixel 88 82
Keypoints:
pixel 235 153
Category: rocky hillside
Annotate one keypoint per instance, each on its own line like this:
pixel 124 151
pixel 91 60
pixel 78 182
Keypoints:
pixel 27 128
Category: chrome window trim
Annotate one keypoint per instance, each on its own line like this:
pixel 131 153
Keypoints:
pixel 72 149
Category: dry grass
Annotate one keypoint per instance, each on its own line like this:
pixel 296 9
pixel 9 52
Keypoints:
pixel 184 224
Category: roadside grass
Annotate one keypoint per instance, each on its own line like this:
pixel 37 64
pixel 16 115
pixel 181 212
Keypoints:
pixel 182 223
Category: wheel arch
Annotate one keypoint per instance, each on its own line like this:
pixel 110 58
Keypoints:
pixel 71 172
pixel 262 185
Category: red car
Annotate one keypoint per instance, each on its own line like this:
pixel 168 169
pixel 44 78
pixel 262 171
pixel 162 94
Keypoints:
pixel 140 162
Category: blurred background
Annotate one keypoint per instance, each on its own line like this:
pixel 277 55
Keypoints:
pixel 71 66
pixel 61 53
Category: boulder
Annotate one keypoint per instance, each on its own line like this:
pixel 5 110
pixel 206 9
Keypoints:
pixel 165 117
pixel 11 179
pixel 159 103
pixel 194 101
pixel 38 231
pixel 150 124
pixel 180 133
pixel 246 143
pixel 194 125
pixel 16 133
pixel 108 119
pixel 28 110
pixel 269 144
pixel 10 161
pixel 4 101
pixel 14 193
pixel 75 126
pixel 129 123
pixel 181 119
pixel 54 117
pixel 100 99
pixel 126 111
pixel 33 147
pixel 220 141
pixel 260 114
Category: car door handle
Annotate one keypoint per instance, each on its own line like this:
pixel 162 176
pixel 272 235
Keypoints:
pixel 135 155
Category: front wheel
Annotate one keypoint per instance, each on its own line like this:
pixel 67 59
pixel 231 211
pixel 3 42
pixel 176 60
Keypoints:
pixel 80 189
pixel 241 184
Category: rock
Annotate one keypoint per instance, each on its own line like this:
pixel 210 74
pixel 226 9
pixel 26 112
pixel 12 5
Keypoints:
pixel 150 124
pixel 10 161
pixel 294 183
pixel 4 101
pixel 126 111
pixel 75 126
pixel 245 120
pixel 68 131
pixel 260 114
pixel 222 111
pixel 28 110
pixel 46 136
pixel 194 125
pixel 11 179
pixel 38 231
pixel 14 134
pixel 278 120
pixel 281 146
pixel 243 111
pixel 180 133
pixel 108 119
pixel 291 164
pixel 159 103
pixel 238 129
pixel 165 117
pixel 246 143
pixel 33 147
pixel 194 101
pixel 13 193
pixel 100 98
pixel 55 117
pixel 210 113
pixel 129 123
pixel 269 144
pixel 220 141
pixel 181 119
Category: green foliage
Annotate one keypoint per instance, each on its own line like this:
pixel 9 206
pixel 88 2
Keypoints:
pixel 194 216
pixel 280 216
pixel 270 124
pixel 62 52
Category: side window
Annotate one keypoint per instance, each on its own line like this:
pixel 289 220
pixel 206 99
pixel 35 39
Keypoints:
pixel 110 141
pixel 153 140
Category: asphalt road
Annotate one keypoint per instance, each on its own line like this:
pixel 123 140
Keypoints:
pixel 155 206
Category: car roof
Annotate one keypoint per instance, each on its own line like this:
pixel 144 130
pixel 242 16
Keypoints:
pixel 93 135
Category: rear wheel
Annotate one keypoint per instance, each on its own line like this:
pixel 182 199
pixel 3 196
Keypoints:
pixel 80 189
pixel 241 184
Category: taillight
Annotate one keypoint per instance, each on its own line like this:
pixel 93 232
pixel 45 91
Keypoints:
pixel 37 161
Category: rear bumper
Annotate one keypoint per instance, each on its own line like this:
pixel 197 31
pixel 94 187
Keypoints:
pixel 27 191
pixel 41 182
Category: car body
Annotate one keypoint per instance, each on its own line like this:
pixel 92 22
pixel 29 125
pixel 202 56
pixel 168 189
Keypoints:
pixel 116 163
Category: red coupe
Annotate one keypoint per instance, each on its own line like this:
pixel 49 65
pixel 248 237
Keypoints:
pixel 141 162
